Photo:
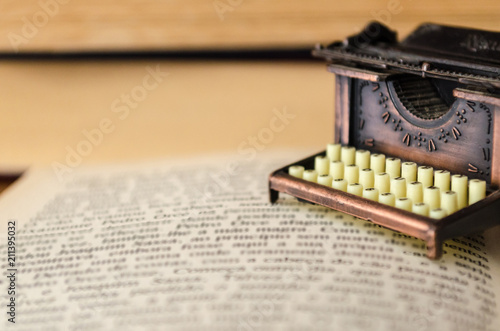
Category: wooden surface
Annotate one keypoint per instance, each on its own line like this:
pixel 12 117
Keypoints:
pixel 200 107
pixel 73 26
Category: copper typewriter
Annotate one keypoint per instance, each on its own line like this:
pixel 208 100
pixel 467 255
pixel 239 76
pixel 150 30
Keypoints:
pixel 427 102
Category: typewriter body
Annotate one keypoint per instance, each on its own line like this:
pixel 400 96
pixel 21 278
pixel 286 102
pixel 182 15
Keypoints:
pixel 434 99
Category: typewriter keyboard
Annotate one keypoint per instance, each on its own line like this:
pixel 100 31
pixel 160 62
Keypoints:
pixel 391 181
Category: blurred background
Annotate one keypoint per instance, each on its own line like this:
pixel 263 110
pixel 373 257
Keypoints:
pixel 74 25
pixel 104 81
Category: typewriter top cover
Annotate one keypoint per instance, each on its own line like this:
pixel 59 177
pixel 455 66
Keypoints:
pixel 465 55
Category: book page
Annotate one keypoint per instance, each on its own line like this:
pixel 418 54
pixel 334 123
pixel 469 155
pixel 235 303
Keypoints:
pixel 195 244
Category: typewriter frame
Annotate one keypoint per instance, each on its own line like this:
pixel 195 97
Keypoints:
pixel 434 232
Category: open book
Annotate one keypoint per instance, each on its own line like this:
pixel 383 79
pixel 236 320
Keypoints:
pixel 195 244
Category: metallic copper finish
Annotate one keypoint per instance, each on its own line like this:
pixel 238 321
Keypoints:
pixel 472 219
pixel 495 155
pixel 368 75
pixel 342 104
pixel 373 111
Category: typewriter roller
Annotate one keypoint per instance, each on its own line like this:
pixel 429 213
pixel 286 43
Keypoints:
pixel 417 133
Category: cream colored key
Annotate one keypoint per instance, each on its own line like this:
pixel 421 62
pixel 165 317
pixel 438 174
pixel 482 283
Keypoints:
pixel 370 193
pixel 477 190
pixel 449 202
pixel 377 163
pixel 310 175
pixel 415 192
pixel 337 169
pixel 459 185
pixel 409 171
pixel 322 165
pixel 421 208
pixel 442 179
pixel 387 199
pixel 362 159
pixel 437 213
pixel 367 178
pixel 432 197
pixel 425 175
pixel 398 187
pixel 382 182
pixel 296 171
pixel 333 152
pixel 340 184
pixel 347 154
pixel 325 180
pixel 351 173
pixel 393 167
pixel 403 203
pixel 356 189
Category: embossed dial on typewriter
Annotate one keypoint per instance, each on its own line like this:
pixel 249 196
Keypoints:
pixel 421 116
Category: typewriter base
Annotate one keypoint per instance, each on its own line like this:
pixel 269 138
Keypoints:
pixel 472 219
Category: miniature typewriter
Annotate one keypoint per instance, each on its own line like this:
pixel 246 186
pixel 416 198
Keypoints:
pixel 417 136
